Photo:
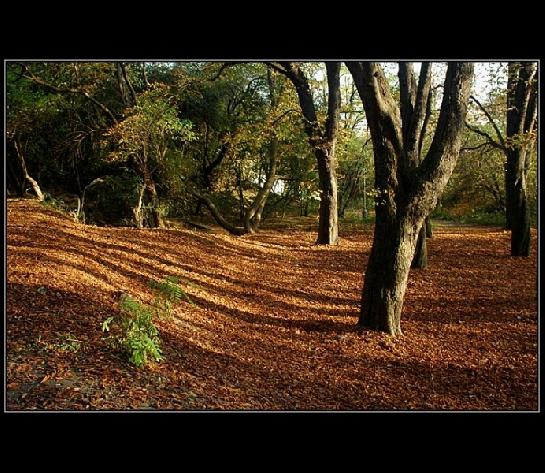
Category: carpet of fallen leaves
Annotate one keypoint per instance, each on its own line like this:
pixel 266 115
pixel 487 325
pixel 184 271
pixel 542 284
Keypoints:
pixel 272 324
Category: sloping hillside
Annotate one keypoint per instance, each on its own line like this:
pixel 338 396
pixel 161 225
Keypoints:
pixel 272 324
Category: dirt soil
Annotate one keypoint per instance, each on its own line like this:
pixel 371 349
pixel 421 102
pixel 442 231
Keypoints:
pixel 272 326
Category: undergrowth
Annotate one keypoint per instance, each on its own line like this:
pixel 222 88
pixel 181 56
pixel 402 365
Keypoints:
pixel 134 331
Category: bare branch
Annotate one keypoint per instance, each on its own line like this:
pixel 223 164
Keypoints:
pixel 217 215
pixel 490 119
pixel 223 67
pixel 465 149
pixel 277 68
pixel 486 135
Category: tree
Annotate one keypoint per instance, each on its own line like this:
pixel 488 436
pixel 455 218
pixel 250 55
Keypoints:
pixel 407 191
pixel 145 136
pixel 521 123
pixel 322 140
pixel 260 139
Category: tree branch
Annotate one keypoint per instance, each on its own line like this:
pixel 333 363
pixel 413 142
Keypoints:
pixel 437 166
pixel 334 99
pixel 490 119
pixel 473 148
pixel 486 135
pixel 217 215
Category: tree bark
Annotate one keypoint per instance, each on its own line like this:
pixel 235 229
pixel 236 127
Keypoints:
pixel 327 223
pixel 233 230
pixel 252 218
pixel 420 259
pixel 387 273
pixel 137 211
pixel 156 221
pixel 520 219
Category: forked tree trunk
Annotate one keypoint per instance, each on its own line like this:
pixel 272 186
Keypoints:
pixel 407 190
pixel 146 212
pixel 252 218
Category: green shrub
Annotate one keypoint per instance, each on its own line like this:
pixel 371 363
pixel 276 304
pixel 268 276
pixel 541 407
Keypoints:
pixel 134 331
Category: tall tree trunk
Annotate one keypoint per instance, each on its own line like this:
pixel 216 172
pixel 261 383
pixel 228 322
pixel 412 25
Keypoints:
pixel 321 141
pixel 327 225
pixel 33 183
pixel 510 178
pixel 521 119
pixel 518 204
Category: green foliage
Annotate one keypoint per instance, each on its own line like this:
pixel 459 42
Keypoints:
pixel 134 330
pixel 150 128
pixel 484 218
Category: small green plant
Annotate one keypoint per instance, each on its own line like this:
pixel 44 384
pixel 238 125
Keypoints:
pixel 134 331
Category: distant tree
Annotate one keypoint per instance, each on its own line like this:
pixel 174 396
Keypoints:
pixel 521 123
pixel 261 139
pixel 145 135
pixel 322 139
pixel 407 190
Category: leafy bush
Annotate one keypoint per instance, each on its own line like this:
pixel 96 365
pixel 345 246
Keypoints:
pixel 136 334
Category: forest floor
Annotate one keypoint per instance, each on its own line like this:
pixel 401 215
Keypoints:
pixel 272 324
